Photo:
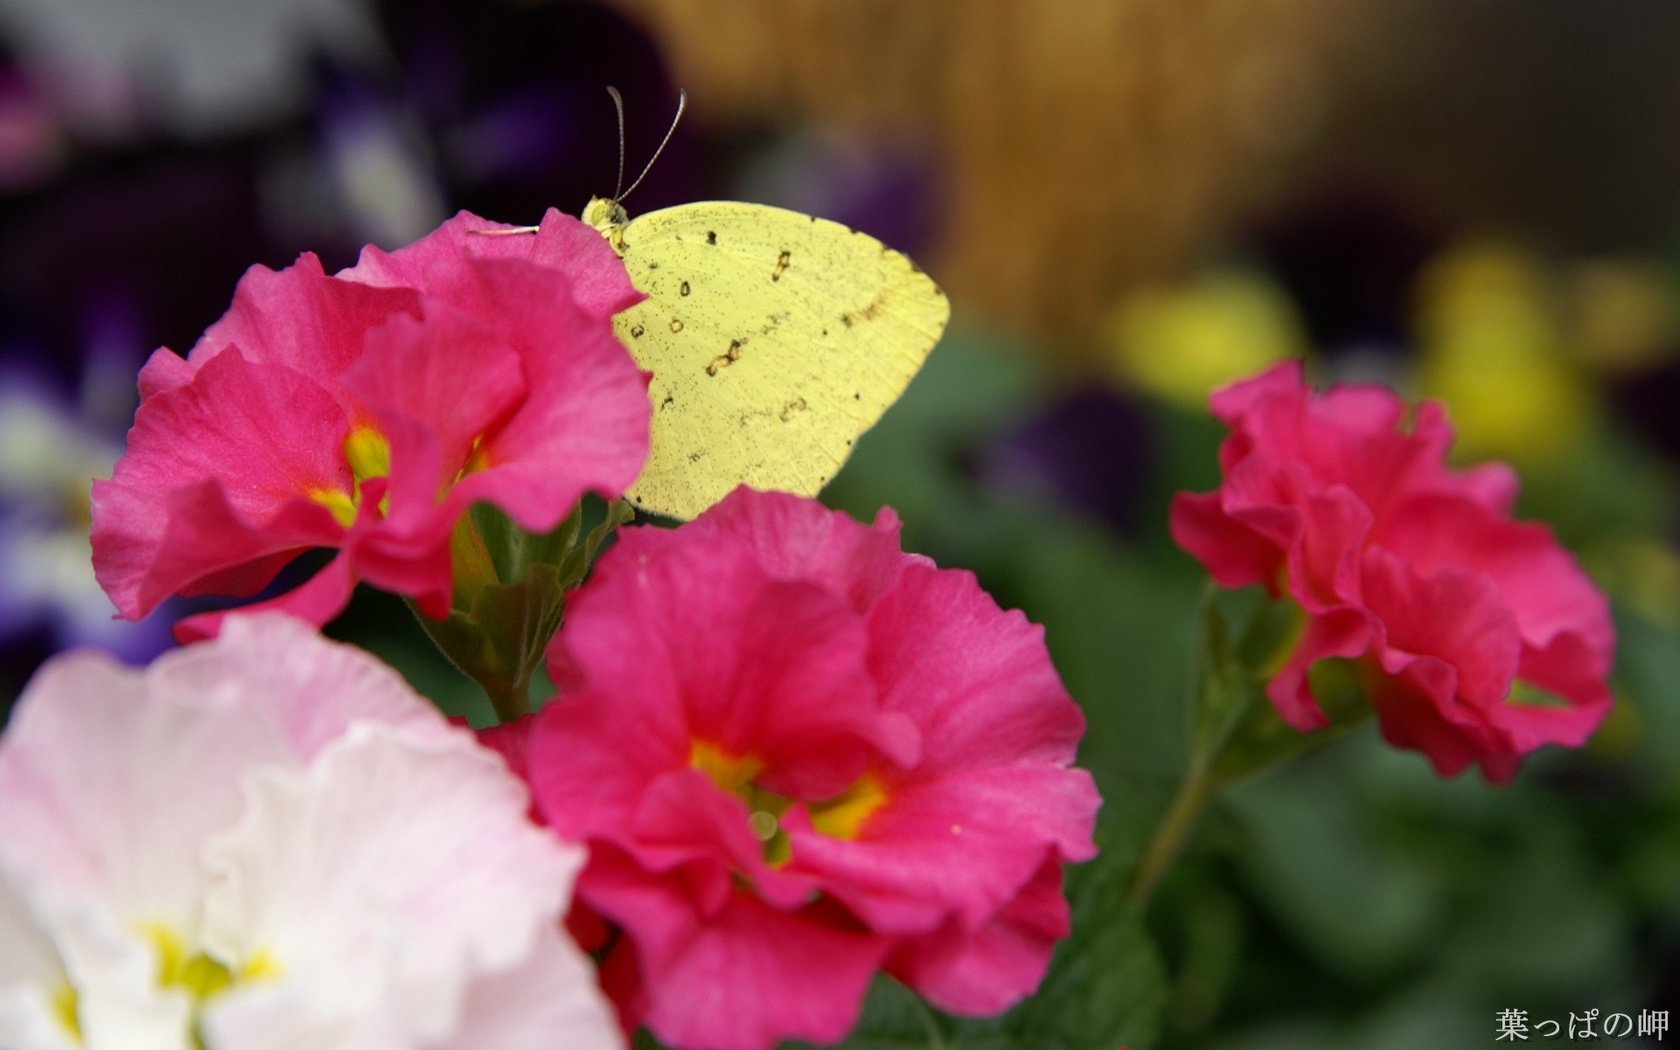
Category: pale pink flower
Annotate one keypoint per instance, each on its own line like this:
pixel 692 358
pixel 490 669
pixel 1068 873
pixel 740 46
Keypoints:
pixel 269 841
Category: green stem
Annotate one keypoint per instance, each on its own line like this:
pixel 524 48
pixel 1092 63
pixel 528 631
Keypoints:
pixel 1171 833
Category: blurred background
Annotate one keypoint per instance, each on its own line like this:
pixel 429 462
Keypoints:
pixel 1130 202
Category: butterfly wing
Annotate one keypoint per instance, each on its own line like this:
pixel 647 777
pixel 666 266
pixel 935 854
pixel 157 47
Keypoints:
pixel 775 340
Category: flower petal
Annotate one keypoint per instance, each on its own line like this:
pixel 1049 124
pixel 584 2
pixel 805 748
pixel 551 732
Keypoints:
pixel 380 881
pixel 217 479
pixel 984 972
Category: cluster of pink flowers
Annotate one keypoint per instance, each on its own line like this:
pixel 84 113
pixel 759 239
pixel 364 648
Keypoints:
pixel 366 410
pixel 1477 637
pixel 795 755
pixel 786 756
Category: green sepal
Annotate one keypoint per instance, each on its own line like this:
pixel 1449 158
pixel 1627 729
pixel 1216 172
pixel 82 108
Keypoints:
pixel 499 642
pixel 1235 730
pixel 502 620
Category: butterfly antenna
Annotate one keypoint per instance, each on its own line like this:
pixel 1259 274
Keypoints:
pixel 682 103
pixel 618 104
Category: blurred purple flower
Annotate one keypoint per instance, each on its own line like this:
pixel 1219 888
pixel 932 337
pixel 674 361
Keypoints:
pixel 50 451
pixel 1092 451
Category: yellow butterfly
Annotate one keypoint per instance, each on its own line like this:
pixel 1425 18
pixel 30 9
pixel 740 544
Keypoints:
pixel 775 340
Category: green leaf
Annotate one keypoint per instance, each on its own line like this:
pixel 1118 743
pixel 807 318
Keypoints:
pixel 1365 906
pixel 1219 695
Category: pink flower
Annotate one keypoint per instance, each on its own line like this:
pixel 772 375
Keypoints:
pixel 366 411
pixel 799 755
pixel 269 841
pixel 1477 637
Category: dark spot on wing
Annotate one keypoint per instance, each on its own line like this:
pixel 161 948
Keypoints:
pixel 676 325
pixel 725 359
pixel 683 288
pixel 868 313
pixel 711 236
pixel 782 262
pixel 636 331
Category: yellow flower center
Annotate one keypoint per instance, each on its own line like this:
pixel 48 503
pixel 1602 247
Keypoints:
pixel 67 1007
pixel 841 816
pixel 368 452
pixel 369 455
pixel 198 974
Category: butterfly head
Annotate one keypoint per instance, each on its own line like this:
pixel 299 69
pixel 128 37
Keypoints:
pixel 607 216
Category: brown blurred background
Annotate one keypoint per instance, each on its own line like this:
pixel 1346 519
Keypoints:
pixel 1088 145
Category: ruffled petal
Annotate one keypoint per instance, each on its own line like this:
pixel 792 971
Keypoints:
pixel 583 424
pixel 984 972
pixel 379 881
pixel 219 475
pixel 301 319
pixel 960 846
pixel 599 283
pixel 976 681
pixel 744 977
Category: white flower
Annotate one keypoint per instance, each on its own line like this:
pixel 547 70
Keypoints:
pixel 269 841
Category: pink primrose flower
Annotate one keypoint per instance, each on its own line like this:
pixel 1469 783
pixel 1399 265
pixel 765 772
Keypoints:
pixel 366 410
pixel 265 842
pixel 799 755
pixel 1477 637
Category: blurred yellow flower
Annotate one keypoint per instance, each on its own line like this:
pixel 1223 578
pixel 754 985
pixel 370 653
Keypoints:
pixel 1493 348
pixel 1180 342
